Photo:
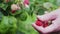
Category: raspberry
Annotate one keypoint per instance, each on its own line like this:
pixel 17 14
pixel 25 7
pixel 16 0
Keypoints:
pixel 13 11
pixel 45 24
pixel 39 23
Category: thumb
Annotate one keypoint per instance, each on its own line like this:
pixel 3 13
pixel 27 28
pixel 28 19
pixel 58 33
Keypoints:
pixel 35 26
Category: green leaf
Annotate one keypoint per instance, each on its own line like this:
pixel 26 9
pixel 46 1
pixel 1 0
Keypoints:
pixel 5 25
pixel 3 6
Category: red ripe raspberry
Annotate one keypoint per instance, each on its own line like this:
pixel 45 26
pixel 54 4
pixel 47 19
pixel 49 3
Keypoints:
pixel 13 11
pixel 39 22
pixel 45 24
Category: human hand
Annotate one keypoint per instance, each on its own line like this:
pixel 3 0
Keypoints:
pixel 55 16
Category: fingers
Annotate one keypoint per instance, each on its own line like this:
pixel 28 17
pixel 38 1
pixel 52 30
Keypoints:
pixel 53 27
pixel 49 16
pixel 36 27
pixel 48 29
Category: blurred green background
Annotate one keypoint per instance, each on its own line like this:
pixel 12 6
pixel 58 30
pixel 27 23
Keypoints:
pixel 21 21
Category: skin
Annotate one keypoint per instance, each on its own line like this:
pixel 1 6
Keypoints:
pixel 54 27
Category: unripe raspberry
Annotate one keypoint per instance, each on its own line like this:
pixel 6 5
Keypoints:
pixel 47 5
pixel 14 7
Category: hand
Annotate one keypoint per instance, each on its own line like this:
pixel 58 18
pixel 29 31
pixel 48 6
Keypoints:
pixel 55 26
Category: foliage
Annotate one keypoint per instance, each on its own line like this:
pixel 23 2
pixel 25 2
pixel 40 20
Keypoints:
pixel 20 21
